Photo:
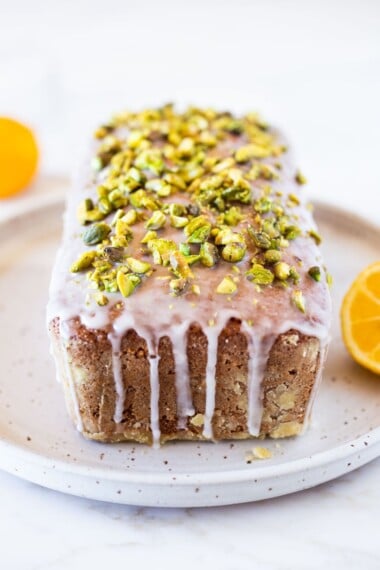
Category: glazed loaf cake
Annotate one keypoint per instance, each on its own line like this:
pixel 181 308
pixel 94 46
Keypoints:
pixel 189 299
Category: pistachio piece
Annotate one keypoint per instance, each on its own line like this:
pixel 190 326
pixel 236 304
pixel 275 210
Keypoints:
pixel 178 286
pixel 137 266
pixel 156 221
pixel 96 233
pixel 299 300
pixel 159 186
pixel 260 275
pixel 315 235
pixel 123 229
pixel 281 270
pixel 233 216
pixel 227 286
pixel 300 178
pixel 209 254
pixel 105 206
pixel 226 236
pixel 150 235
pixel 130 217
pixel 197 230
pixel 234 252
pixel 263 205
pixel 161 250
pixel 114 254
pixel 315 273
pixel 84 261
pixel 180 265
pixel 101 299
pixel 178 221
pixel 261 239
pixel 272 255
pixel 150 159
pixel 127 282
pixel 246 153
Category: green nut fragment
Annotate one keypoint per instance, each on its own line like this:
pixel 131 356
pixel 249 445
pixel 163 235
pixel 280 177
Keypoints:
pixel 227 286
pixel 114 254
pixel 105 206
pixel 299 300
pixel 198 230
pixel 159 186
pixel 209 254
pixel 178 286
pixel 175 180
pixel 127 282
pixel 84 261
pixel 150 159
pixel 281 270
pixel 234 252
pixel 96 233
pixel 263 205
pixel 315 235
pixel 180 265
pixel 87 213
pixel 293 274
pixel 137 266
pixel 123 229
pixel 246 153
pixel 226 236
pixel 233 216
pixel 150 235
pixel 260 275
pixel 130 217
pixel 261 239
pixel 300 178
pixel 156 221
pixel 117 198
pixel 101 299
pixel 315 273
pixel 161 250
pixel 178 221
pixel 329 279
pixel 272 255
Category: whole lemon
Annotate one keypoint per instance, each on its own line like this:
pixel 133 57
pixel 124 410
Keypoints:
pixel 18 156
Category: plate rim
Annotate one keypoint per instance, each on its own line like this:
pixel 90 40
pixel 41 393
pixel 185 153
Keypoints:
pixel 321 459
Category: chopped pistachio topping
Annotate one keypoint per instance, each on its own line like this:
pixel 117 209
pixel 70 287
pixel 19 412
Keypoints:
pixel 227 286
pixel 127 283
pixel 281 270
pixel 260 275
pixel 300 178
pixel 315 235
pixel 84 261
pixel 96 233
pixel 299 300
pixel 206 186
pixel 315 273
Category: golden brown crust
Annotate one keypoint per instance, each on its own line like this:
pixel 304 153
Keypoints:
pixel 291 371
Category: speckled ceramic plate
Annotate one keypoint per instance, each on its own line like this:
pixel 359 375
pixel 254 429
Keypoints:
pixel 38 442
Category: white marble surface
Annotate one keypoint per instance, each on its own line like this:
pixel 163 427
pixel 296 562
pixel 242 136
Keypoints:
pixel 313 67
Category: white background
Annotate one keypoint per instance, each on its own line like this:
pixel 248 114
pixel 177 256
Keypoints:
pixel 311 67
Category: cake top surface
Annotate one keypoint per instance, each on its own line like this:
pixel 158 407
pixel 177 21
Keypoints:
pixel 184 216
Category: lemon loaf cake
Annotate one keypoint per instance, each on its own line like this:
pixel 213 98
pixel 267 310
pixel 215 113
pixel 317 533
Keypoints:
pixel 189 299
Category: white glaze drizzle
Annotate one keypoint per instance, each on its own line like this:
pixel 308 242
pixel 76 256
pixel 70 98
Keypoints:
pixel 212 353
pixel 115 340
pixel 178 338
pixel 154 359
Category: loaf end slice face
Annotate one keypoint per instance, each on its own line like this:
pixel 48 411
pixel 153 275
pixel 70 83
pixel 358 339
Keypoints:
pixel 189 299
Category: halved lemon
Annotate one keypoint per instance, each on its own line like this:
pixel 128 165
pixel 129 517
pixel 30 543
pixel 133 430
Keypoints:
pixel 18 156
pixel 360 318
